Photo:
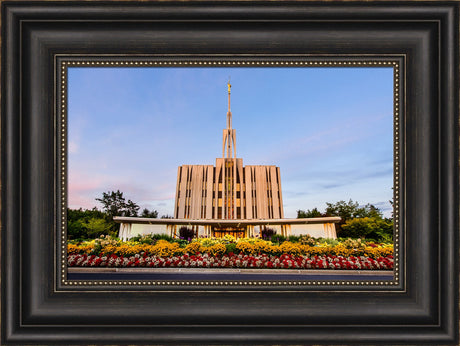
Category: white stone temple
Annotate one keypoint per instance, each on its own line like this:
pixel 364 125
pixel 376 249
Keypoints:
pixel 228 198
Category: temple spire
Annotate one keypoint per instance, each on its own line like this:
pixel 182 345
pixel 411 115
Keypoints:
pixel 228 141
pixel 229 112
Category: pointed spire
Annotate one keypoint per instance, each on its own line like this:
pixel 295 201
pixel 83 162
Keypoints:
pixel 229 112
pixel 228 141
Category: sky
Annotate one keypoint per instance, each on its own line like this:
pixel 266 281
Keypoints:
pixel 330 130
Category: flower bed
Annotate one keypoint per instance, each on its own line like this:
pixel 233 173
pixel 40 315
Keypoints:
pixel 220 246
pixel 206 260
pixel 228 252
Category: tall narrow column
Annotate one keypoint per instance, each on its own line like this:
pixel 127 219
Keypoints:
pixel 228 142
pixel 229 166
pixel 229 112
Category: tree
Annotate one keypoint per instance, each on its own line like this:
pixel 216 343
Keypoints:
pixel 370 228
pixel 392 207
pixel 131 209
pixel 96 227
pixel 350 210
pixel 114 204
pixel 88 224
pixel 309 213
pixel 148 213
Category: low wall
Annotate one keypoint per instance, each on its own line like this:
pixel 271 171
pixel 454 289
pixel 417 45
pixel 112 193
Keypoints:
pixel 129 230
pixel 317 230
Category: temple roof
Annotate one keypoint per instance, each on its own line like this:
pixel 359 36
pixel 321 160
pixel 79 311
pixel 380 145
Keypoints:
pixel 226 222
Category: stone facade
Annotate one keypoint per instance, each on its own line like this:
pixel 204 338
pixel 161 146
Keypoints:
pixel 251 192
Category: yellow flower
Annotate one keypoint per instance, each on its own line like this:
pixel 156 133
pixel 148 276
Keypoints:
pixel 342 250
pixel 109 249
pixel 193 248
pixel 245 247
pixel 164 249
pixel 262 246
pixel 72 248
pixel 290 248
pixel 216 249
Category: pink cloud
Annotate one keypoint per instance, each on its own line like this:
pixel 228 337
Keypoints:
pixel 84 188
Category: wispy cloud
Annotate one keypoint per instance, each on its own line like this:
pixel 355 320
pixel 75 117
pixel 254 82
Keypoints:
pixel 319 143
pixel 129 129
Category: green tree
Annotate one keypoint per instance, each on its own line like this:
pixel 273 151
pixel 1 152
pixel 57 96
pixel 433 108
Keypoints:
pixel 353 211
pixel 114 204
pixel 95 227
pixel 301 214
pixel 79 225
pixel 148 213
pixel 349 210
pixel 75 229
pixel 370 228
pixel 131 209
pixel 369 210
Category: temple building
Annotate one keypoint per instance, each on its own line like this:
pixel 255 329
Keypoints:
pixel 228 198
pixel 228 190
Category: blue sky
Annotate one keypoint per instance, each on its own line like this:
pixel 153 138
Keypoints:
pixel 330 130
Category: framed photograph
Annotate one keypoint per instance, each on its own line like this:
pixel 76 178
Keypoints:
pixel 329 97
pixel 302 128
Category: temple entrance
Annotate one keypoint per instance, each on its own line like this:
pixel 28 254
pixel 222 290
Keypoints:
pixel 221 232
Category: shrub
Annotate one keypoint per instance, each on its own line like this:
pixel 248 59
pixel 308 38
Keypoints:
pixel 226 239
pixel 278 238
pixel 143 239
pixel 182 242
pixel 267 233
pixel 89 224
pixel 230 248
pixel 294 238
pixel 208 241
pixel 328 241
pixel 307 239
pixel 354 244
pixel 369 228
pixel 151 238
pixel 186 233
pixel 162 236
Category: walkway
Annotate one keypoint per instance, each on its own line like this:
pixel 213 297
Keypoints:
pixel 79 273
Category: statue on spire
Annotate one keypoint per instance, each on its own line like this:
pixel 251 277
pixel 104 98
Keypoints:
pixel 228 142
pixel 229 112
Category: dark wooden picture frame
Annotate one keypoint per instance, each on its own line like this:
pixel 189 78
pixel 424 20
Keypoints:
pixel 38 309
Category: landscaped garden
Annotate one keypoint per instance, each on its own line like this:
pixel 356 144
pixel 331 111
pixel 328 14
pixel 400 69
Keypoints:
pixel 295 252
pixel 366 243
